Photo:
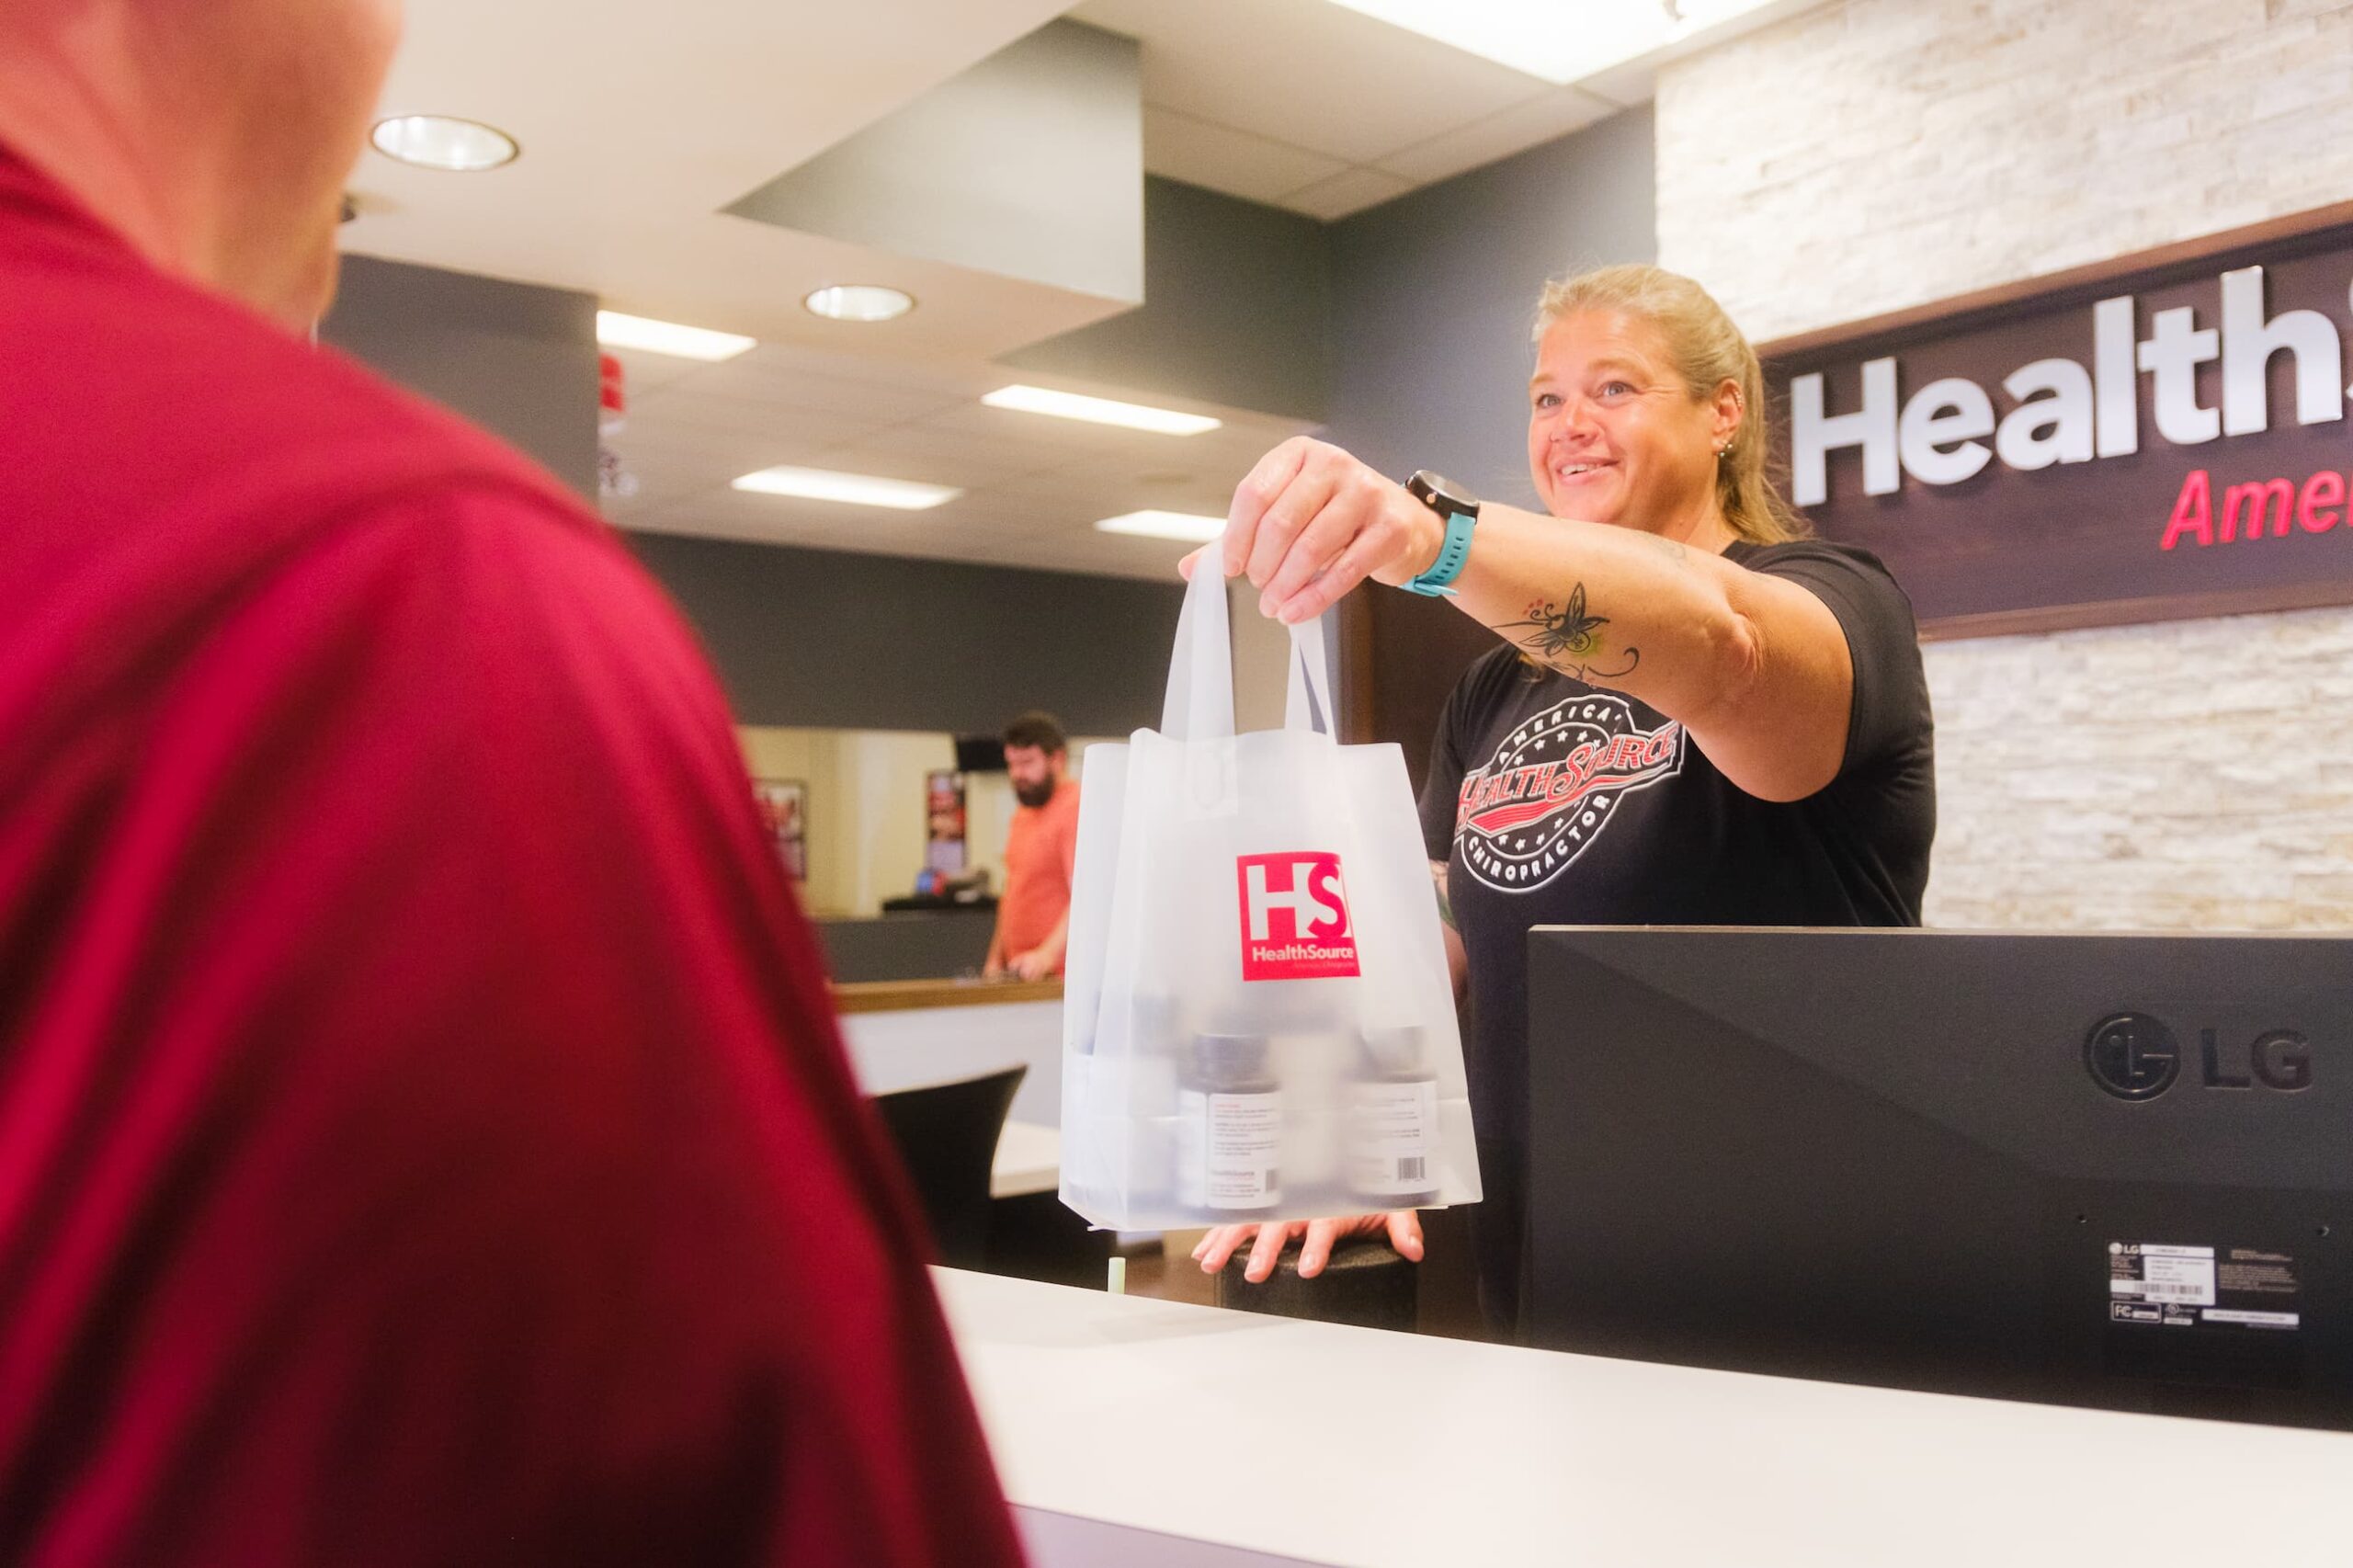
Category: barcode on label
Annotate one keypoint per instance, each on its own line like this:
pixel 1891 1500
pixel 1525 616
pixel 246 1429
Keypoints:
pixel 2190 1290
pixel 1274 1179
pixel 1409 1168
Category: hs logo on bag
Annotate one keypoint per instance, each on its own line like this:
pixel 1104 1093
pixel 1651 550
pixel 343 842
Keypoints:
pixel 1294 918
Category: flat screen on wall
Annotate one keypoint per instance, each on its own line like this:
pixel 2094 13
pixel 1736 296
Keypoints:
pixel 979 754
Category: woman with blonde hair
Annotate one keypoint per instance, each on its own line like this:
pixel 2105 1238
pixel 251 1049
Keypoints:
pixel 1696 715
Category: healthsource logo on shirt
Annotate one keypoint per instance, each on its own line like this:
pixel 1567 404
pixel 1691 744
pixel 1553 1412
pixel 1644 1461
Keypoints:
pixel 1294 918
pixel 1554 786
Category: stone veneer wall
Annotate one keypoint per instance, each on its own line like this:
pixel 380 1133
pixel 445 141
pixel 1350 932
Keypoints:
pixel 1879 153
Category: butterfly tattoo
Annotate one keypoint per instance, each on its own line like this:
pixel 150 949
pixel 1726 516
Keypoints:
pixel 1569 637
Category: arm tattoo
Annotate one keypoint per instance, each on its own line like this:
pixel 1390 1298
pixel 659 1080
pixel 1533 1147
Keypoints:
pixel 1569 639
pixel 1445 906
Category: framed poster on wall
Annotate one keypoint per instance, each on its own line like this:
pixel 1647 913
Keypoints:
pixel 784 807
pixel 944 849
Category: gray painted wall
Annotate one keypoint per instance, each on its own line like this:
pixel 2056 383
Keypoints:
pixel 1026 164
pixel 514 358
pixel 817 640
pixel 1237 309
pixel 1433 295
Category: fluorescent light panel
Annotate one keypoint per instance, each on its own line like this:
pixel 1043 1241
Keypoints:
pixel 1560 43
pixel 854 489
pixel 1100 411
pixel 615 330
pixel 1192 528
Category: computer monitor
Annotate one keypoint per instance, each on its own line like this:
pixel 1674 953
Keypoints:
pixel 2102 1170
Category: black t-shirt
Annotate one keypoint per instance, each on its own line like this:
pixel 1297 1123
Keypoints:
pixel 1559 803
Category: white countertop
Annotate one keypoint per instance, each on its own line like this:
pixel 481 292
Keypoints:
pixel 893 1051
pixel 1145 1433
pixel 1028 1160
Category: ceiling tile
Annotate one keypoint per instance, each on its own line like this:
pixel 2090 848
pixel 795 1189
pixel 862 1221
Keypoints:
pixel 783 520
pixel 667 453
pixel 1345 193
pixel 931 456
pixel 783 385
pixel 923 462
pixel 734 426
pixel 1508 131
pixel 1307 72
pixel 1053 441
pixel 1087 492
pixel 1239 163
pixel 946 377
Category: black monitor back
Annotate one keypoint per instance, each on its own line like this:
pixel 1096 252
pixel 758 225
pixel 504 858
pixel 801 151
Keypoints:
pixel 2101 1170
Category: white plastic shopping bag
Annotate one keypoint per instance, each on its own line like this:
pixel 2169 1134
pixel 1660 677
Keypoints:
pixel 1258 1019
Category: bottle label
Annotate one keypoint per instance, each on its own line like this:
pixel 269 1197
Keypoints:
pixel 1391 1130
pixel 1229 1149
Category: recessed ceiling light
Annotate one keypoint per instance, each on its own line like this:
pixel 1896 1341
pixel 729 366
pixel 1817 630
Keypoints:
pixel 1547 39
pixel 615 330
pixel 857 489
pixel 859 302
pixel 443 142
pixel 1100 411
pixel 1192 528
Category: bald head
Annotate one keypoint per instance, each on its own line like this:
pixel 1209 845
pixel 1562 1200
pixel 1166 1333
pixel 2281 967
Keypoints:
pixel 215 135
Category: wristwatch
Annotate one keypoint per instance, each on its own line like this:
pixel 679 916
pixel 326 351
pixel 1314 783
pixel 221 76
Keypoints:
pixel 1461 510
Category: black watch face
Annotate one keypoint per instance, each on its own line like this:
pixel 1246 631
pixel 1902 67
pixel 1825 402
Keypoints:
pixel 1442 494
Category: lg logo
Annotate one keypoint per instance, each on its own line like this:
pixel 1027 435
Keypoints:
pixel 2136 1057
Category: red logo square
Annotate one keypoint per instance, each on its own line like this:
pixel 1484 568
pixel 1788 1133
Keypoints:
pixel 1294 918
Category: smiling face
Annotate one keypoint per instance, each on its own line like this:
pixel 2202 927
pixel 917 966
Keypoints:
pixel 1613 434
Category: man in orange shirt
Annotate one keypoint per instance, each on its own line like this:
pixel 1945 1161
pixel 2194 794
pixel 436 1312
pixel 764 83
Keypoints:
pixel 1033 917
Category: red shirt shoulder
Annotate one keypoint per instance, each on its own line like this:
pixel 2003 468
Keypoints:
pixel 440 1133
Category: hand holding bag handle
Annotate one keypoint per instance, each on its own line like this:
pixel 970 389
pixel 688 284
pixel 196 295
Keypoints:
pixel 1200 702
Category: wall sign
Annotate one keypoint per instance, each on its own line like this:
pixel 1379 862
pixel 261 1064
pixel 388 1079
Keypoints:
pixel 2164 436
pixel 784 808
pixel 943 818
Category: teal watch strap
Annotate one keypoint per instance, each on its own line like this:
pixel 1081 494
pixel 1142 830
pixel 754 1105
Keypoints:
pixel 1432 583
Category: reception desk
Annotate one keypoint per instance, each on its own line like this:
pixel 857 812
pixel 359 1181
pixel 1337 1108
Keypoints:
pixel 1154 1434
pixel 949 940
pixel 904 1034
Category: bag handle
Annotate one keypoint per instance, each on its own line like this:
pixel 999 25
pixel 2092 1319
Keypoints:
pixel 1199 703
pixel 1199 706
pixel 1309 704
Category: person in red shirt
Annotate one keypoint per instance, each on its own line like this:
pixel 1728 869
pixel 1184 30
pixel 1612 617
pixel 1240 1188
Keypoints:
pixel 1041 850
pixel 423 1137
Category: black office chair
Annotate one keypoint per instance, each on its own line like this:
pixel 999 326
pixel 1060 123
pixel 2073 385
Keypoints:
pixel 947 1136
